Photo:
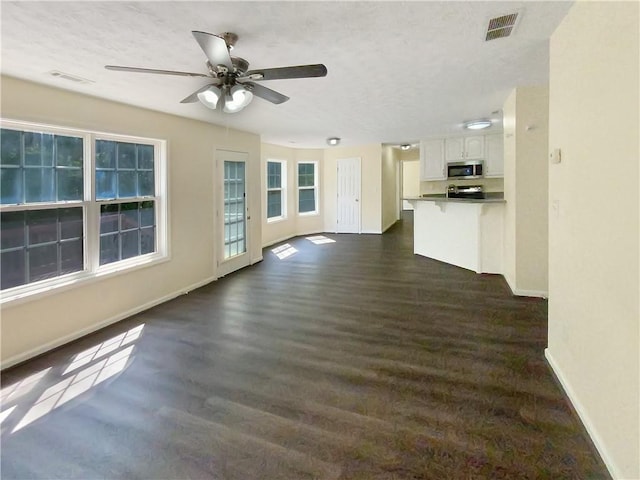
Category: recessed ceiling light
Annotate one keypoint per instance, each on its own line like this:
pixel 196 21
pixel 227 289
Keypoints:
pixel 333 141
pixel 406 146
pixel 477 124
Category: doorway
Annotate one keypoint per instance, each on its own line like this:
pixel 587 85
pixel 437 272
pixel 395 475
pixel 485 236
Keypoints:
pixel 233 212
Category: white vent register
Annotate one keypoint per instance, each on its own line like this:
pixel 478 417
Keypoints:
pixel 500 27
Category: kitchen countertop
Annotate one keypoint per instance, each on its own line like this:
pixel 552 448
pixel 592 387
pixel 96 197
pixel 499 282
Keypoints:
pixel 490 197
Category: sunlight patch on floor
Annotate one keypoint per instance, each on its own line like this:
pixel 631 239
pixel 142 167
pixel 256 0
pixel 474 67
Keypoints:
pixel 92 367
pixel 320 239
pixel 284 251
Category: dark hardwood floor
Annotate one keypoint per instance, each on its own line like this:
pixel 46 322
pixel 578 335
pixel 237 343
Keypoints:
pixel 345 360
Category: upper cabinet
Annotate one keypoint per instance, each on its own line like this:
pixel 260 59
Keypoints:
pixel 435 153
pixel 432 164
pixel 494 155
pixel 459 149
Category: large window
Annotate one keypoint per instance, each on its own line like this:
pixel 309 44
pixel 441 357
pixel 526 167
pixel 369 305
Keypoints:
pixel 66 213
pixel 307 188
pixel 276 182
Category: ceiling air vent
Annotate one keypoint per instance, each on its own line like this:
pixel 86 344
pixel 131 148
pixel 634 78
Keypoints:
pixel 68 76
pixel 501 27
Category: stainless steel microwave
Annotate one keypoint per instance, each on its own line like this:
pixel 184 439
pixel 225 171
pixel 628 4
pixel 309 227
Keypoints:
pixel 462 170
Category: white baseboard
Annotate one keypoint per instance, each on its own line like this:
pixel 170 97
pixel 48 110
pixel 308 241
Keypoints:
pixel 21 357
pixel 584 417
pixel 519 292
pixel 288 237
pixel 389 226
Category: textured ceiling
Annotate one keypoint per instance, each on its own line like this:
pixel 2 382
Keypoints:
pixel 398 71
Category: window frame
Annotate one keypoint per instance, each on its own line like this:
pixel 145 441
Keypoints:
pixel 92 270
pixel 315 187
pixel 282 190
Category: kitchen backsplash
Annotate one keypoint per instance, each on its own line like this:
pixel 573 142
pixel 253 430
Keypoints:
pixel 440 186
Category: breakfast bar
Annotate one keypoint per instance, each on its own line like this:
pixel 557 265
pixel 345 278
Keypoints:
pixel 466 232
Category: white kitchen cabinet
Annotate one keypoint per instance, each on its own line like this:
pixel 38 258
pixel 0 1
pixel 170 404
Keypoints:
pixel 460 149
pixel 494 158
pixel 432 164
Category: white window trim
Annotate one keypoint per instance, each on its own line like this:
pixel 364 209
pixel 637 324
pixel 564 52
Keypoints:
pixel 91 242
pixel 282 189
pixel 315 186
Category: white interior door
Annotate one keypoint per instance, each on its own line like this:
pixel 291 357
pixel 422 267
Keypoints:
pixel 233 213
pixel 348 215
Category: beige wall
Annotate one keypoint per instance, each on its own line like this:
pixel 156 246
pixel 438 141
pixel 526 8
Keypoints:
pixel 526 127
pixel 390 184
pixel 293 225
pixel 38 324
pixel 594 278
pixel 371 180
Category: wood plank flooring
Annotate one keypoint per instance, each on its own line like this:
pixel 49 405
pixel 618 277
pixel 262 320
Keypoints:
pixel 347 360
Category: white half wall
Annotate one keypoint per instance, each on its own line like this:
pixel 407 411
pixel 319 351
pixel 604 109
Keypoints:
pixel 594 217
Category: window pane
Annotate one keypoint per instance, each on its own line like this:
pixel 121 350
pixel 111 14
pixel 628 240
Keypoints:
pixel 12 272
pixel 105 154
pixel 70 184
pixel 39 185
pixel 129 216
pixel 147 214
pixel 38 149
pixel 11 144
pixel 108 218
pixel 146 184
pixel 42 226
pixel 127 184
pixel 306 174
pixel 70 223
pixel 274 204
pixel 11 185
pixel 147 240
pixel 69 151
pixel 12 231
pixel 105 184
pixel 130 244
pixel 109 248
pixel 43 262
pixel 275 175
pixel 71 257
pixel 126 155
pixel 145 157
pixel 307 200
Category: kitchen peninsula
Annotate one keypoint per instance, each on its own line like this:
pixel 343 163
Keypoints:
pixel 466 232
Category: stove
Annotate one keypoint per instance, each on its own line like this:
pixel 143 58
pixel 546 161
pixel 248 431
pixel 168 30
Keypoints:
pixel 466 191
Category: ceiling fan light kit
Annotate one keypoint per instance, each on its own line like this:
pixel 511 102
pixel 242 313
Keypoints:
pixel 477 124
pixel 233 88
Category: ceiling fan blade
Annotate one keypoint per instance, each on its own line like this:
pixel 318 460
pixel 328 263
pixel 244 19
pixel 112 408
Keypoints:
pixel 215 48
pixel 300 71
pixel 266 93
pixel 153 70
pixel 194 96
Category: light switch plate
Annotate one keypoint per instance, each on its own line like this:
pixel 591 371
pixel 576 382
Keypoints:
pixel 555 156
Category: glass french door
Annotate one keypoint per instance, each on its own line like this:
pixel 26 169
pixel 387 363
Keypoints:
pixel 233 212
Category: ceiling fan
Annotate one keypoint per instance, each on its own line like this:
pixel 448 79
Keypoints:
pixel 231 85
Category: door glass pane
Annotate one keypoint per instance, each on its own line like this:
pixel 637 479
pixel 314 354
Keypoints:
pixel 234 209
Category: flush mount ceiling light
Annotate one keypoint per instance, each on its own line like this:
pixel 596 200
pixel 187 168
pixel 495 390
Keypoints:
pixel 477 124
pixel 333 141
pixel 406 146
